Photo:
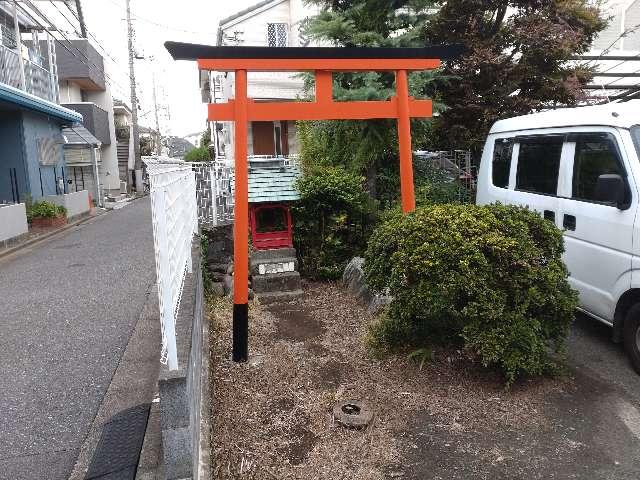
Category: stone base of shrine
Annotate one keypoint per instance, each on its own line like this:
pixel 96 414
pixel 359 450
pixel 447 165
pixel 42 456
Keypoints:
pixel 274 274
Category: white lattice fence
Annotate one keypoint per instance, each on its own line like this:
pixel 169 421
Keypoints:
pixel 174 216
pixel 214 195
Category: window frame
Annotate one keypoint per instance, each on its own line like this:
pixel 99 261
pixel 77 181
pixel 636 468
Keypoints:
pixel 635 136
pixel 571 139
pixel 275 25
pixel 501 140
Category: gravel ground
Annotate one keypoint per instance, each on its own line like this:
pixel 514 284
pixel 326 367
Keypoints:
pixel 272 417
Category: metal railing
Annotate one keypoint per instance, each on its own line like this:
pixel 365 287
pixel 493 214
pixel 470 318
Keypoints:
pixel 172 186
pixel 457 163
pixel 214 195
pixel 38 80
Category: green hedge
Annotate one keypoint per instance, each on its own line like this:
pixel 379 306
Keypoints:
pixel 490 278
pixel 45 209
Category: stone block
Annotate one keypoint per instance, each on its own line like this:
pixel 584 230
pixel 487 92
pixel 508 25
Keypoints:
pixel 276 282
pixel 177 451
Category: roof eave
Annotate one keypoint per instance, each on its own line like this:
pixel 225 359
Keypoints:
pixel 31 102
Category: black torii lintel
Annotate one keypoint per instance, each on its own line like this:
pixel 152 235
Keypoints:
pixel 191 51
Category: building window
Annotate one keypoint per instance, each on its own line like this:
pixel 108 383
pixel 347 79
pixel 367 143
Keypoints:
pixel 539 164
pixel 277 34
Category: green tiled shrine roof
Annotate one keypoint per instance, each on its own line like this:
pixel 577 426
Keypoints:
pixel 273 184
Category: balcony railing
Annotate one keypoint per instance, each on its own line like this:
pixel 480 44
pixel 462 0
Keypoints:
pixel 38 80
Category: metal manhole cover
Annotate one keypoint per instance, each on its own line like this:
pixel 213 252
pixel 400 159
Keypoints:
pixel 352 414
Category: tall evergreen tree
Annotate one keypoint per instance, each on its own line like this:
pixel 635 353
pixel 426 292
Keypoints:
pixel 368 147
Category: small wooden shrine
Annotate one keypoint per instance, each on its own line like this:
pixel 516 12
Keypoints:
pixel 271 191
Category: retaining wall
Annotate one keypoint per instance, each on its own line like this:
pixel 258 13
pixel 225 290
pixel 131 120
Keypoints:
pixel 76 203
pixel 13 223
pixel 184 392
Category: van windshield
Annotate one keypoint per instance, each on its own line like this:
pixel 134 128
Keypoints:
pixel 635 133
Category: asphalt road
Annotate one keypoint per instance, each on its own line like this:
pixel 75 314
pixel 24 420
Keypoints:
pixel 585 428
pixel 67 309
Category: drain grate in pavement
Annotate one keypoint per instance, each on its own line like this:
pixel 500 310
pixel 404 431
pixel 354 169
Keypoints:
pixel 118 451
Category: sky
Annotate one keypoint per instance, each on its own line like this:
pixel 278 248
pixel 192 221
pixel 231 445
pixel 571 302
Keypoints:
pixel 156 21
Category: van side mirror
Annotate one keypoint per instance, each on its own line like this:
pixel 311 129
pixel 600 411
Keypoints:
pixel 610 188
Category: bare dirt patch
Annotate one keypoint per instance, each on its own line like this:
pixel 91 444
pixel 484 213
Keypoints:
pixel 273 418
pixel 293 323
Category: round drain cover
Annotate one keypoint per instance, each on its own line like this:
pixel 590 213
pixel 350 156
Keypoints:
pixel 352 414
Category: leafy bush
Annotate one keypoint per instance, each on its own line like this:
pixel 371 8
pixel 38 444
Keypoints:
pixel 199 154
pixel 45 209
pixel 329 221
pixel 489 277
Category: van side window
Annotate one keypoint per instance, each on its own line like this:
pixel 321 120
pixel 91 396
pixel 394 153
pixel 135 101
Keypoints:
pixel 539 164
pixel 596 154
pixel 502 150
pixel 635 134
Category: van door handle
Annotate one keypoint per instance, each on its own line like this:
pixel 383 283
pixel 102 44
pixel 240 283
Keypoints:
pixel 569 222
pixel 550 215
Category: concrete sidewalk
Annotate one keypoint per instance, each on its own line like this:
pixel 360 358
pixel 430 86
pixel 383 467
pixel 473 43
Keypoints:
pixel 69 308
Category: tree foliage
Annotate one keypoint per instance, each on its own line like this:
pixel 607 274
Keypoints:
pixel 516 61
pixel 490 277
pixel 329 221
pixel 370 147
pixel 198 154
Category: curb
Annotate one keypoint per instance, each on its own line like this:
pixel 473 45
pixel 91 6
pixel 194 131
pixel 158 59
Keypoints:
pixel 48 235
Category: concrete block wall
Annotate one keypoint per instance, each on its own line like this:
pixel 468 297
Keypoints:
pixel 76 203
pixel 184 392
pixel 13 223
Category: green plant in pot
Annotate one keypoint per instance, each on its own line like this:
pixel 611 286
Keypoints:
pixel 46 214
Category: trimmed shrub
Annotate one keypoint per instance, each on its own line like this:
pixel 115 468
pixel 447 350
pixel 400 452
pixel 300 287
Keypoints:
pixel 329 221
pixel 45 209
pixel 490 278
pixel 198 154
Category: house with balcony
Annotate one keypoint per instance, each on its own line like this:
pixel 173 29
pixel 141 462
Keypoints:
pixel 83 88
pixel 31 120
pixel 273 23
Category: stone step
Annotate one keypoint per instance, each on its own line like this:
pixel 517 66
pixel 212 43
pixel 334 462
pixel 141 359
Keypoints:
pixel 276 282
pixel 273 297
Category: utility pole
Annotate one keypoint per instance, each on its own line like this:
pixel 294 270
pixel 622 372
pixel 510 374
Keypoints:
pixel 83 25
pixel 134 105
pixel 155 107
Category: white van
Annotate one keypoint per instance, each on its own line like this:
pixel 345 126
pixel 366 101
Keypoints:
pixel 580 168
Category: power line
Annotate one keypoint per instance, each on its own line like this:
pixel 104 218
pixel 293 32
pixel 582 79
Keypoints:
pixel 619 37
pixel 161 25
pixel 89 34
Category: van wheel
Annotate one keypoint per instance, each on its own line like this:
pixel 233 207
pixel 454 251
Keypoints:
pixel 632 336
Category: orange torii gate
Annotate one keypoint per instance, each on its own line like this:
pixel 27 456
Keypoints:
pixel 322 61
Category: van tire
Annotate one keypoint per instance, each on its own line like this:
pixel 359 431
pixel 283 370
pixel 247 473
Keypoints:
pixel 632 336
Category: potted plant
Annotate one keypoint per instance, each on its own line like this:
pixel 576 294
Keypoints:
pixel 46 214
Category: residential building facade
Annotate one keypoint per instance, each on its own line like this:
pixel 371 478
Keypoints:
pixel 617 50
pixel 31 120
pixel 84 88
pixel 274 23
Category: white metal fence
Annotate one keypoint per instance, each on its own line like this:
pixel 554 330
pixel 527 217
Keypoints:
pixel 172 187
